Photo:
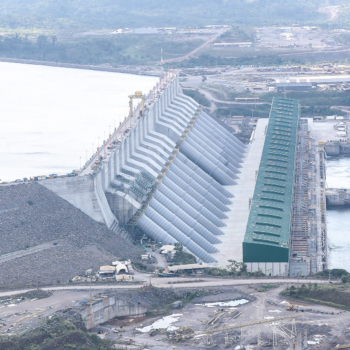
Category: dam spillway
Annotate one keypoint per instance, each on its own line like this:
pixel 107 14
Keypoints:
pixel 165 173
pixel 175 174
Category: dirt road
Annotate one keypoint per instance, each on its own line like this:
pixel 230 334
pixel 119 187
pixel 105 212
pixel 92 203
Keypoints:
pixel 191 54
pixel 180 282
pixel 333 11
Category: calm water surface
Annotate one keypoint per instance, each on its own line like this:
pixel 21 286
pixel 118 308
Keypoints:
pixel 338 221
pixel 50 117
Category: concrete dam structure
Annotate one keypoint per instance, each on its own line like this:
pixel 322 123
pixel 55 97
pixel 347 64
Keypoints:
pixel 175 174
pixel 167 173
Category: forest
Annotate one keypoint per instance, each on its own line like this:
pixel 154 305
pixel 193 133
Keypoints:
pixel 98 14
pixel 115 50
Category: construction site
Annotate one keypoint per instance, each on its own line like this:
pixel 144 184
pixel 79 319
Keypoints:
pixel 174 175
pixel 243 318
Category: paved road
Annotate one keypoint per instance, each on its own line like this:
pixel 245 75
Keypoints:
pixel 30 250
pixel 314 52
pixel 175 283
pixel 214 100
pixel 191 54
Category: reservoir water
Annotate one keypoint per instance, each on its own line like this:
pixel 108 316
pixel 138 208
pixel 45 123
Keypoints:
pixel 338 220
pixel 53 118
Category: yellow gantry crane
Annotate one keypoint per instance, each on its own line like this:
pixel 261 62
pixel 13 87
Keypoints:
pixel 138 94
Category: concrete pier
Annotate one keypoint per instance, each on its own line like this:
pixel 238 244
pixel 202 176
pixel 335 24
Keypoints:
pixel 338 196
pixel 107 308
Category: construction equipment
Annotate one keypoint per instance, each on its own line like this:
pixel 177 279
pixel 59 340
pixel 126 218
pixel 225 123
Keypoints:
pixel 233 326
pixel 293 308
pixel 343 346
pixel 138 94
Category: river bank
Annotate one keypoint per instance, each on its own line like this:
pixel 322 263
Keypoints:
pixel 103 68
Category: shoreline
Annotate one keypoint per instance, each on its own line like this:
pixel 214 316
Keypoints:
pixel 135 71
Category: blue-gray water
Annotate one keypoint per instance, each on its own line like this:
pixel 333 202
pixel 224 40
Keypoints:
pixel 338 221
pixel 51 118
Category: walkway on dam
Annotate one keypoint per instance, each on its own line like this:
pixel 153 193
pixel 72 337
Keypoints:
pixel 231 246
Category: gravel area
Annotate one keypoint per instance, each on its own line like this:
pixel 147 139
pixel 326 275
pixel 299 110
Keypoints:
pixel 31 215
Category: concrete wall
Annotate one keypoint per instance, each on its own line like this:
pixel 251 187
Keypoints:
pixel 78 191
pixel 275 269
pixel 337 197
pixel 89 195
pixel 332 150
pixel 108 308
pixel 297 268
pixel 123 206
pixel 100 184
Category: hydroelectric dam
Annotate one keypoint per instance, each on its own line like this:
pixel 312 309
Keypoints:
pixel 176 174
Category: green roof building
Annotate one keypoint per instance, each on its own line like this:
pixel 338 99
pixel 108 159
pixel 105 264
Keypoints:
pixel 267 237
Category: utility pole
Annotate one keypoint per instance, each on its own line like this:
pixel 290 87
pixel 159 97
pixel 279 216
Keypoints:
pixel 274 337
pixel 294 328
pixel 305 339
pixel 259 338
pixel 161 59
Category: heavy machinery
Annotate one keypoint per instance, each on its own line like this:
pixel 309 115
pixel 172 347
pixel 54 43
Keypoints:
pixel 293 308
pixel 138 94
pixel 233 326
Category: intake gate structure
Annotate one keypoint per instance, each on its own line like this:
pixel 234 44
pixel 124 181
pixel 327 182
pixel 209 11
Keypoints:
pixel 166 174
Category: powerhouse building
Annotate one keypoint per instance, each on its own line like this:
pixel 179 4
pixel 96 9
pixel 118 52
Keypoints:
pixel 267 239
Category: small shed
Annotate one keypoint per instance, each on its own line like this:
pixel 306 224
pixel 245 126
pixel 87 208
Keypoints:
pixel 189 267
pixel 121 268
pixel 107 271
pixel 124 278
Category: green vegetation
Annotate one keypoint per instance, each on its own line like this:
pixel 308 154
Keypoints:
pixel 245 134
pixel 143 267
pixel 197 96
pixel 266 287
pixel 233 269
pixel 30 202
pixel 312 98
pixel 115 50
pixel 313 103
pixel 334 273
pixel 181 257
pixel 325 295
pixel 261 111
pixel 165 299
pixel 320 111
pixel 99 14
pixel 59 21
pixel 58 333
pixel 205 60
pixel 37 293
pixel 236 34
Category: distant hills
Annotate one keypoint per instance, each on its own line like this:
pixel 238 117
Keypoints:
pixel 111 14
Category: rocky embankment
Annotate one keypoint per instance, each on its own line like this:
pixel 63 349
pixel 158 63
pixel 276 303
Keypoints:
pixel 30 216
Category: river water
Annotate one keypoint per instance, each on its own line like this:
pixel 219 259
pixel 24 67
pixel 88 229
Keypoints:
pixel 52 118
pixel 338 221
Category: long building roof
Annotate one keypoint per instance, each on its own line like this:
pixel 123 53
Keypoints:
pixel 270 215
